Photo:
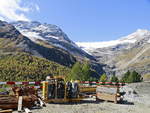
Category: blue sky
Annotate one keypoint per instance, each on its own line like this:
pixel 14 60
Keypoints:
pixel 92 20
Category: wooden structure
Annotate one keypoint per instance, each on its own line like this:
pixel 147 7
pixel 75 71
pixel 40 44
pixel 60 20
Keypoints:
pixel 108 93
pixel 8 102
pixel 28 98
pixel 20 104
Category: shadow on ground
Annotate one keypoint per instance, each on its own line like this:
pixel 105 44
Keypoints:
pixel 94 102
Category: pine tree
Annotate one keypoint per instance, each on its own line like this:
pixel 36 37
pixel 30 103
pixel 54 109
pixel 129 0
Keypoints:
pixel 125 78
pixel 86 70
pixel 80 72
pixel 134 77
pixel 103 78
pixel 131 77
pixel 114 79
pixel 76 72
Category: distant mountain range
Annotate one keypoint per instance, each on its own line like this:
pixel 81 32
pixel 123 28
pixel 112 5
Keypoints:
pixel 127 40
pixel 46 46
pixel 51 36
pixel 48 41
pixel 131 52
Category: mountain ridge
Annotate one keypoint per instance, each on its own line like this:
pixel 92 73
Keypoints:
pixel 51 34
pixel 123 40
pixel 13 43
pixel 131 54
pixel 16 42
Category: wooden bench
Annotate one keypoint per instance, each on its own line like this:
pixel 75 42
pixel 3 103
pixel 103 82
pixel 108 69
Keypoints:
pixel 108 93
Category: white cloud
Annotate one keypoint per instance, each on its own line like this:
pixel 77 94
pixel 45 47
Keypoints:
pixel 13 10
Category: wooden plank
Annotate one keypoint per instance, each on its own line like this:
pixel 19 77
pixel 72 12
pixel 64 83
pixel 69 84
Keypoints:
pixel 107 97
pixel 8 106
pixel 6 111
pixel 8 99
pixel 87 89
pixel 27 110
pixel 108 90
pixel 20 104
pixel 8 102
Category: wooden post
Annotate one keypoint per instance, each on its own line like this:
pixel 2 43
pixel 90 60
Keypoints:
pixel 56 83
pixel 115 99
pixel 45 90
pixel 20 104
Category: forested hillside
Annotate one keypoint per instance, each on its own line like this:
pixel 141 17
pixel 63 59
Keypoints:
pixel 24 67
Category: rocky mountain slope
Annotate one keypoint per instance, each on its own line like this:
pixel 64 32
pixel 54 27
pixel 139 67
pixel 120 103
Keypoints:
pixel 59 50
pixel 21 59
pixel 48 34
pixel 12 41
pixel 128 53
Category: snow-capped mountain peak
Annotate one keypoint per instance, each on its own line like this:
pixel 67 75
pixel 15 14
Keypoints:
pixel 130 39
pixel 36 30
pixel 50 34
pixel 138 35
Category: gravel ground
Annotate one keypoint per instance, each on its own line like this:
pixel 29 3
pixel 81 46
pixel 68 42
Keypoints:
pixel 104 107
pixel 137 100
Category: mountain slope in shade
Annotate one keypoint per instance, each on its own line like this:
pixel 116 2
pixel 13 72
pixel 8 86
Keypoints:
pixel 50 34
pixel 128 53
pixel 12 41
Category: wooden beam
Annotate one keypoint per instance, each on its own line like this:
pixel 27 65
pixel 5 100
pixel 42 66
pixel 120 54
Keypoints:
pixel 20 104
pixel 108 90
pixel 107 97
pixel 6 111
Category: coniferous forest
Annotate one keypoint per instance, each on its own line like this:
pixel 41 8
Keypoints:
pixel 23 67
